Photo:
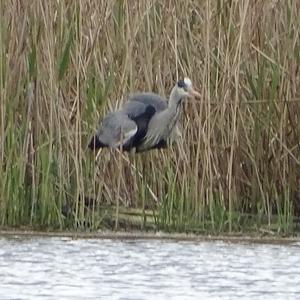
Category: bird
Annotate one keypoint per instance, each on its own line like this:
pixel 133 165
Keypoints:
pixel 146 121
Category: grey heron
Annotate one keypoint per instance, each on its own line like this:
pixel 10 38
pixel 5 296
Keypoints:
pixel 145 121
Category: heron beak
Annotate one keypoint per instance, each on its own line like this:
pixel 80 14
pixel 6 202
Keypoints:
pixel 193 93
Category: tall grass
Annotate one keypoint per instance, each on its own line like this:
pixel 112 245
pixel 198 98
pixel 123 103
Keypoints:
pixel 64 64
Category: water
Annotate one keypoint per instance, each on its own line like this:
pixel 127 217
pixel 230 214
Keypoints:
pixel 62 268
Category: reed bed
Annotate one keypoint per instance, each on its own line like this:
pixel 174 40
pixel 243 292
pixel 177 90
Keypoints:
pixel 65 64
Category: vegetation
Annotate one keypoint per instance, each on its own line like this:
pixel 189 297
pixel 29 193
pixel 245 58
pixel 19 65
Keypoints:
pixel 64 64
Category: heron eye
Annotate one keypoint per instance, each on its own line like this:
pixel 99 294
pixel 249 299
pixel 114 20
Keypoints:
pixel 181 84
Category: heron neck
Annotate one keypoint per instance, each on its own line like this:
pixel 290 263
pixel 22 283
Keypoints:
pixel 171 114
pixel 175 99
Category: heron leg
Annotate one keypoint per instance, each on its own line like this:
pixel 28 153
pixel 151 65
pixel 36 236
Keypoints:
pixel 102 162
pixel 132 151
pixel 98 153
pixel 120 163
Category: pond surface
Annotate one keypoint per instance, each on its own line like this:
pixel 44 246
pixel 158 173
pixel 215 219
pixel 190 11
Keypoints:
pixel 63 268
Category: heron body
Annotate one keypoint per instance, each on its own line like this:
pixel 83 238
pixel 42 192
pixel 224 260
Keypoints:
pixel 145 121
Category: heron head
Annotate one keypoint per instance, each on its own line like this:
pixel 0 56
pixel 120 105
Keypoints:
pixel 185 88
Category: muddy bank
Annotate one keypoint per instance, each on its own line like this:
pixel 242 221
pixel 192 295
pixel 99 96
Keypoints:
pixel 232 238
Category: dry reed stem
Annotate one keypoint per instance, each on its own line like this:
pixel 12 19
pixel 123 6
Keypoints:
pixel 240 150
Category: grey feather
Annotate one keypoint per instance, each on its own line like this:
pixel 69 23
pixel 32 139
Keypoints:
pixel 145 121
pixel 138 103
pixel 158 102
pixel 159 129
pixel 116 127
pixel 134 109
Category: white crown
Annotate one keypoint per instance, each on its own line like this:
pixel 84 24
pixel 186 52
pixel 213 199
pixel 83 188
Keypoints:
pixel 187 81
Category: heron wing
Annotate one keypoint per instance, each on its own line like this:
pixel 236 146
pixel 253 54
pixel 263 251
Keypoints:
pixel 116 128
pixel 134 109
pixel 155 100
pixel 130 124
pixel 141 107
pixel 160 104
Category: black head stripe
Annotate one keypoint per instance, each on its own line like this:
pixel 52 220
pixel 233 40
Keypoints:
pixel 181 84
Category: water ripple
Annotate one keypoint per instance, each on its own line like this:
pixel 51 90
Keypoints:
pixel 60 268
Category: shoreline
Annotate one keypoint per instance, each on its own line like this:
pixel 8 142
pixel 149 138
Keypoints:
pixel 137 235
